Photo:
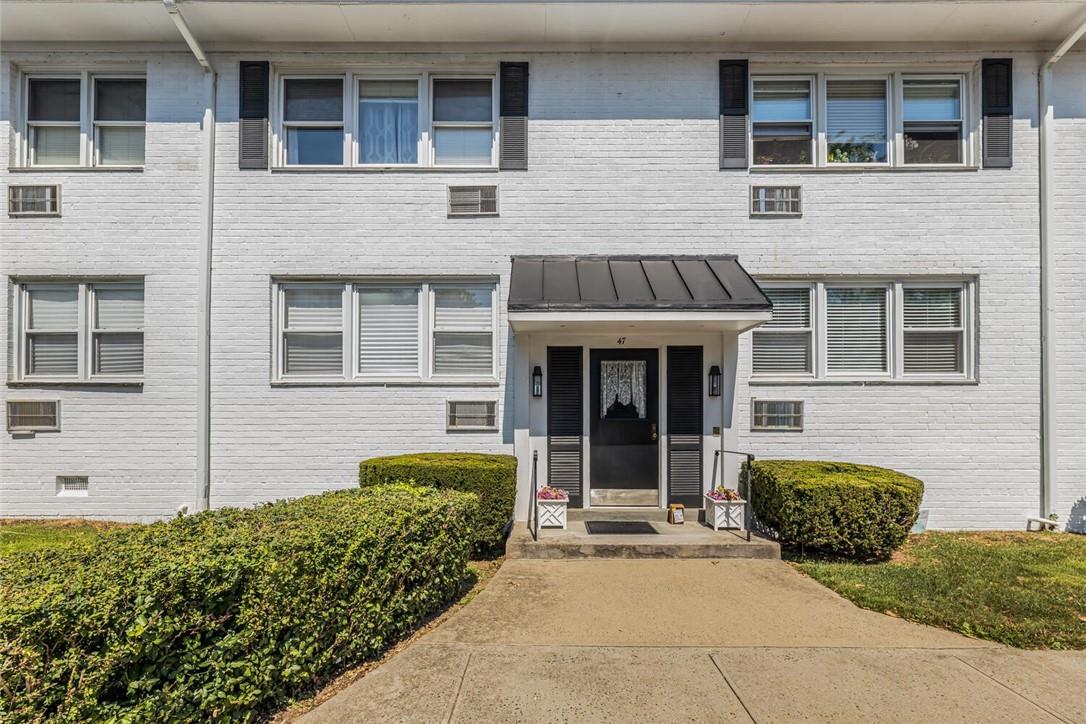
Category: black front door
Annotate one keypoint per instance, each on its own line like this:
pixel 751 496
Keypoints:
pixel 624 426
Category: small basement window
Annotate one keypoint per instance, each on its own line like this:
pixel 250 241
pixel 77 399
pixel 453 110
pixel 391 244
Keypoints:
pixel 473 201
pixel 472 415
pixel 34 200
pixel 73 485
pixel 776 201
pixel 776 415
pixel 33 415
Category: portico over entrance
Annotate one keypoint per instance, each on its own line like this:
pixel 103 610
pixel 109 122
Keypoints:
pixel 624 375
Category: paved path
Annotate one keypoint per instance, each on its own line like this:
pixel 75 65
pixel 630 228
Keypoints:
pixel 698 640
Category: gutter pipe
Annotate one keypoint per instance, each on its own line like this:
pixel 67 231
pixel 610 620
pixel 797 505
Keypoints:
pixel 207 216
pixel 1047 138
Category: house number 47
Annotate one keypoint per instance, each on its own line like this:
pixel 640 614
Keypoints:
pixel 622 340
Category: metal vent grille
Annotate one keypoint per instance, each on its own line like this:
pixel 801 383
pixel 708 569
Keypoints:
pixel 471 415
pixel 473 201
pixel 72 485
pixel 34 200
pixel 776 415
pixel 776 201
pixel 33 415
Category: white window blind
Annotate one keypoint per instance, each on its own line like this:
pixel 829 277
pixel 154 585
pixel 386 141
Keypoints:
pixel 388 331
pixel 463 121
pixel 856 330
pixel 463 330
pixel 313 331
pixel 52 330
pixel 118 329
pixel 782 121
pixel 783 344
pixel 933 331
pixel 119 116
pixel 856 121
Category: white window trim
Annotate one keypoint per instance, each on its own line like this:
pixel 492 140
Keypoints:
pixel 754 427
pixel 85 335
pixel 281 330
pixel 891 114
pixel 895 331
pixel 470 428
pixel 96 125
pixel 433 330
pixel 95 331
pixel 899 118
pixel 813 98
pixel 22 429
pixel 351 98
pixel 810 330
pixel 350 331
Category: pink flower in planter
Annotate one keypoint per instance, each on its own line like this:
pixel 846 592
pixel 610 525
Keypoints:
pixel 724 494
pixel 549 493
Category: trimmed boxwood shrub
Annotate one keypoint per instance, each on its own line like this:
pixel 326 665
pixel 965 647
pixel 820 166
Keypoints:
pixel 228 613
pixel 491 477
pixel 859 511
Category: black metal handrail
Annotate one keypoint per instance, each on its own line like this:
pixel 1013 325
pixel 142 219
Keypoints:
pixel 533 506
pixel 748 497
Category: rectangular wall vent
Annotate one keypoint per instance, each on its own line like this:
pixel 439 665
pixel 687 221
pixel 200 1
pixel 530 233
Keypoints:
pixel 72 485
pixel 473 201
pixel 776 415
pixel 472 415
pixel 33 415
pixel 776 201
pixel 25 200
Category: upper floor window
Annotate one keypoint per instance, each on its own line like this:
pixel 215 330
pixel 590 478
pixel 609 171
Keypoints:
pixel 865 330
pixel 829 120
pixel 365 120
pixel 102 127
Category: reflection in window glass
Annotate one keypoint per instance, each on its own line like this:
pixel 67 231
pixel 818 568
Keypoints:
pixel 313 119
pixel 932 121
pixel 856 121
pixel 782 122
pixel 463 122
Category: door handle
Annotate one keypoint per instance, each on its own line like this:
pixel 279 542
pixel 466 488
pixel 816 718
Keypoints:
pixel 653 435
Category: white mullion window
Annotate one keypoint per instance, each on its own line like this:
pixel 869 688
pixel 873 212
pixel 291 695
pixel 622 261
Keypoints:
pixel 53 113
pixel 463 330
pixel 933 120
pixel 463 121
pixel 784 346
pixel 933 329
pixel 782 121
pixel 116 327
pixel 388 326
pixel 311 333
pixel 857 120
pixel 313 123
pixel 51 338
pixel 388 120
pixel 119 113
pixel 857 330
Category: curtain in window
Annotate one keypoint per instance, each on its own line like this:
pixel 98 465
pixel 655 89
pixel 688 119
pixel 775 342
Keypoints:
pixel 856 121
pixel 933 331
pixel 856 330
pixel 623 389
pixel 388 114
pixel 388 332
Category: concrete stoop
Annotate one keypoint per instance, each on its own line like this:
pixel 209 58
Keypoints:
pixel 689 540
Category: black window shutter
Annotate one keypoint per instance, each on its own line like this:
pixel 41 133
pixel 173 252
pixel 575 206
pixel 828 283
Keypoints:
pixel 513 154
pixel 565 427
pixel 253 114
pixel 734 110
pixel 684 426
pixel 997 107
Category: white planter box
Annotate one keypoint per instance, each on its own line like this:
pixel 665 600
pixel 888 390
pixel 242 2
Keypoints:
pixel 551 513
pixel 725 513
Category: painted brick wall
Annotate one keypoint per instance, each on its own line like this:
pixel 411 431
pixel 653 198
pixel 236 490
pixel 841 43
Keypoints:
pixel 623 160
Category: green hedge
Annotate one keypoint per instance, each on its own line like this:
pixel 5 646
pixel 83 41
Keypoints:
pixel 225 614
pixel 491 477
pixel 858 511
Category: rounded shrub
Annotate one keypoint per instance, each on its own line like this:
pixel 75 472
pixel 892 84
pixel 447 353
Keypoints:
pixel 843 509
pixel 226 614
pixel 493 478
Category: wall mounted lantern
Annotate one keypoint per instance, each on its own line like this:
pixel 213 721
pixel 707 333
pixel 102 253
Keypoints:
pixel 714 381
pixel 537 381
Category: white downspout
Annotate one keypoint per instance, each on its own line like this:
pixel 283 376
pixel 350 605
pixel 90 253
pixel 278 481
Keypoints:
pixel 207 216
pixel 1047 137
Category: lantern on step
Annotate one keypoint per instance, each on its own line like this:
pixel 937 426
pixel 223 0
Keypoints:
pixel 537 381
pixel 714 381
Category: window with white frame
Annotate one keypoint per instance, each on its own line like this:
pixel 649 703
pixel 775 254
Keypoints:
pixel 867 330
pixel 776 415
pixel 889 119
pixel 385 331
pixel 410 120
pixel 90 331
pixel 103 127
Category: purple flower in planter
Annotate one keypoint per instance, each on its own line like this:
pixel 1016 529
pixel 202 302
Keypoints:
pixel 723 494
pixel 549 493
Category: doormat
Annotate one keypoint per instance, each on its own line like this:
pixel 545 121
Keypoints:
pixel 620 527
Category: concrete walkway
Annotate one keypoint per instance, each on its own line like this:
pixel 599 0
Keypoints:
pixel 698 640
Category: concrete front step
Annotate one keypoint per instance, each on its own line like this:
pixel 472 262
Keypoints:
pixel 690 540
pixel 650 514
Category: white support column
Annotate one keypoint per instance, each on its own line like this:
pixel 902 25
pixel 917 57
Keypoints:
pixel 522 432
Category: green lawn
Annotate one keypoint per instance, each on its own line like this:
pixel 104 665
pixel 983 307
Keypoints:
pixel 20 536
pixel 1023 589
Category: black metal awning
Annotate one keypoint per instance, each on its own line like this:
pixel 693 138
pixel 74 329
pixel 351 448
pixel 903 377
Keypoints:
pixel 656 283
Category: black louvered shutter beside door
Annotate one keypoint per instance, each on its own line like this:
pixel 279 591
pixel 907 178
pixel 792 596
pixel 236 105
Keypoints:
pixel 684 426
pixel 997 107
pixel 565 428
pixel 734 111
pixel 253 114
pixel 513 151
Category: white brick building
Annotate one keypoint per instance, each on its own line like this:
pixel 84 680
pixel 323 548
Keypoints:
pixel 400 307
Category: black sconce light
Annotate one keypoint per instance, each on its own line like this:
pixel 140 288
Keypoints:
pixel 537 381
pixel 714 381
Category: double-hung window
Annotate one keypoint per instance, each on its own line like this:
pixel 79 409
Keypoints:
pixel 385 331
pixel 313 121
pixel 90 331
pixel 463 121
pixel 388 122
pixel 120 115
pixel 782 122
pixel 53 122
pixel 866 330
pixel 857 120
pixel 932 121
